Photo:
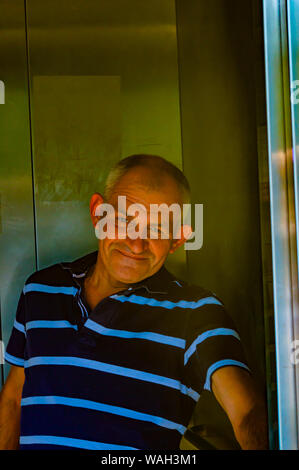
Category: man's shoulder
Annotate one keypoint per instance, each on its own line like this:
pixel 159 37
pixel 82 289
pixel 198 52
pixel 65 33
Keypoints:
pixel 59 273
pixel 53 274
pixel 204 309
pixel 189 291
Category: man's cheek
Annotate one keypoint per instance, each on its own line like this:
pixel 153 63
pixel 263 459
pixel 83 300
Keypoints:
pixel 159 249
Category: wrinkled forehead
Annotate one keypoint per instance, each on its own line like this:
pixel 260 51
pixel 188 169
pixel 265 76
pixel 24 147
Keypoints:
pixel 145 186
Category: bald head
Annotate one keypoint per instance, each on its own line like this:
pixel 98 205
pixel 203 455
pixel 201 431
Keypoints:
pixel 157 173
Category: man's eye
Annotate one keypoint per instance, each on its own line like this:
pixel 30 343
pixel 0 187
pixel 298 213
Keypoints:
pixel 155 229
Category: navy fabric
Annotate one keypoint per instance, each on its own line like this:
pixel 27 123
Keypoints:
pixel 125 375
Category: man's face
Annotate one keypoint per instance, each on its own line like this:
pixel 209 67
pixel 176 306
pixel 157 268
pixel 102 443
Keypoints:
pixel 128 260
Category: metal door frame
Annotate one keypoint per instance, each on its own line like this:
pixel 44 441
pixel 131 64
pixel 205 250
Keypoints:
pixel 283 188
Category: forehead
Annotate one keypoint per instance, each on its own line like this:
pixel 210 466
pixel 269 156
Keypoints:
pixel 147 186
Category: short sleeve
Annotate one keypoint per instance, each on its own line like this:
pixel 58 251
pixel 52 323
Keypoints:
pixel 14 353
pixel 212 342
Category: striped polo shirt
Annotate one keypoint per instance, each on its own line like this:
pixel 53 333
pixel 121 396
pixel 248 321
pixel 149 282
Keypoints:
pixel 125 375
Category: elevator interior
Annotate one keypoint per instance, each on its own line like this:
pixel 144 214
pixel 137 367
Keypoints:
pixel 87 83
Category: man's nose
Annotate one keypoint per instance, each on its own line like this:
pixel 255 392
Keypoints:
pixel 137 246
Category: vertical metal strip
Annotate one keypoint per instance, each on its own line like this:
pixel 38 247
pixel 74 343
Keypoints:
pixel 278 128
pixel 180 104
pixel 31 132
pixel 293 25
pixel 293 43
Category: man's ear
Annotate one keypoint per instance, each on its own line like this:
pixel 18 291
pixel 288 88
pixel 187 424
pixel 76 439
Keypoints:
pixel 185 234
pixel 95 200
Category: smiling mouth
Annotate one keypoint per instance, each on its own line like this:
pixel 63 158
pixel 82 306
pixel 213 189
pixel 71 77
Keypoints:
pixel 137 258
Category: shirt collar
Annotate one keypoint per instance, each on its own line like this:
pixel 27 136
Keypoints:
pixel 158 283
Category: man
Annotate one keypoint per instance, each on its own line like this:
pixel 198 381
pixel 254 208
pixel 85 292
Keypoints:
pixel 115 349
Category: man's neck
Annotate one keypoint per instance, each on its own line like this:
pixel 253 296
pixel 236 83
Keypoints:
pixel 98 283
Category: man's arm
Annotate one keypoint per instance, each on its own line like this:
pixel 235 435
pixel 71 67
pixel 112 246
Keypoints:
pixel 236 392
pixel 10 409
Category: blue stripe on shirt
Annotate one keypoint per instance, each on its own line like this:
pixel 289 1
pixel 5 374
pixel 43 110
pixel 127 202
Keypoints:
pixel 92 405
pixel 137 299
pixel 34 287
pixel 71 442
pixel 112 369
pixel 18 326
pixel 218 365
pixel 50 324
pixel 16 361
pixel 206 335
pixel 158 338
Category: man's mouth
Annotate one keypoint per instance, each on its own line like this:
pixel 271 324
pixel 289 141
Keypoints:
pixel 129 255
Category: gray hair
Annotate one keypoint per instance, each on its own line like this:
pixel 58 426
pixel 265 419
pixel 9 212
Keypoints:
pixel 153 162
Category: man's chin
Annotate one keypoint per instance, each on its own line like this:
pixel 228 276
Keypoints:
pixel 128 275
